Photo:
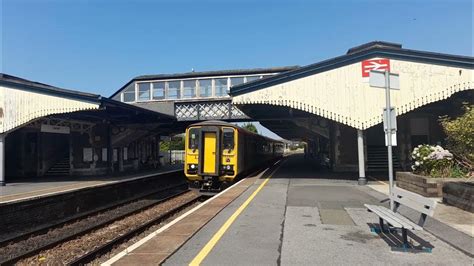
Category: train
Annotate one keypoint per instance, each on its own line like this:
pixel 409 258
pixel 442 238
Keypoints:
pixel 217 154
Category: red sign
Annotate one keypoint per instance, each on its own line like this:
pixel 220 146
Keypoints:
pixel 374 64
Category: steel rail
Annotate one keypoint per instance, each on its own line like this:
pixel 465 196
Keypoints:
pixel 44 229
pixel 106 247
pixel 54 242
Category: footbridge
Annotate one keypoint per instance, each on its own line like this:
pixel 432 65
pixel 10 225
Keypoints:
pixel 193 96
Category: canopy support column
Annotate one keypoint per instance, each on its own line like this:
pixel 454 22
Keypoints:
pixel 360 150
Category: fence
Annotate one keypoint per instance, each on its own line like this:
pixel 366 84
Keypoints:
pixel 172 157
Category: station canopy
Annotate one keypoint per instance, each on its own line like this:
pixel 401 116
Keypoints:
pixel 23 101
pixel 338 89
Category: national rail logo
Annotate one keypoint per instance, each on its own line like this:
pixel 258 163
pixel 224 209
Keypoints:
pixel 374 64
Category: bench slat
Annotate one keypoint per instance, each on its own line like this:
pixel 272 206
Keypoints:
pixel 402 220
pixel 389 219
pixel 395 219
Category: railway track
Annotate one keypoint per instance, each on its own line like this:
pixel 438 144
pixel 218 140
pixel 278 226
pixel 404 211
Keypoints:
pixel 107 247
pixel 27 246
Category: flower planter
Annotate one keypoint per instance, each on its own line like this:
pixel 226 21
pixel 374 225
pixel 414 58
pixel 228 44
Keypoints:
pixel 425 186
pixel 459 194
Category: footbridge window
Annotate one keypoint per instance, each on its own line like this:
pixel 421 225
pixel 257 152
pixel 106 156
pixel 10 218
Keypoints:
pixel 189 89
pixel 128 94
pixel 205 87
pixel 221 87
pixel 174 89
pixel 144 91
pixel 158 90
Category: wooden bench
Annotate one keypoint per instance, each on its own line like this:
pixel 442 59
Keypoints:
pixel 409 199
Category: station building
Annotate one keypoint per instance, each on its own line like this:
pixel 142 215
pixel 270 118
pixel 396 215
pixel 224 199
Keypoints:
pixel 50 131
pixel 329 104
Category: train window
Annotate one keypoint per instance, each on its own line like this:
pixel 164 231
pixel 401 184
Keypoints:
pixel 193 138
pixel 228 138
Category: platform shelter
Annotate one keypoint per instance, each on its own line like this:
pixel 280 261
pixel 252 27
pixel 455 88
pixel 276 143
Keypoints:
pixel 50 131
pixel 331 105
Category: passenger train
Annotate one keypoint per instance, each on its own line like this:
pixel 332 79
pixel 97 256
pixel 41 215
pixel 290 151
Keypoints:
pixel 219 153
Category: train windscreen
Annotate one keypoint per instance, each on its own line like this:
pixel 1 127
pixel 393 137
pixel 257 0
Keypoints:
pixel 228 138
pixel 193 138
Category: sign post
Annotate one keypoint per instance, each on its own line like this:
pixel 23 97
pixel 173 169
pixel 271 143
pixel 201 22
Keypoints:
pixel 387 81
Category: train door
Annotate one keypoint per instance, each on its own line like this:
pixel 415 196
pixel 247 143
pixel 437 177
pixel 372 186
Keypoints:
pixel 209 151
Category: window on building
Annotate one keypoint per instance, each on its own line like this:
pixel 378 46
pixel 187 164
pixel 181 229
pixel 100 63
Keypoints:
pixel 252 78
pixel 174 89
pixel 236 81
pixel 189 89
pixel 158 90
pixel 221 87
pixel 205 87
pixel 144 91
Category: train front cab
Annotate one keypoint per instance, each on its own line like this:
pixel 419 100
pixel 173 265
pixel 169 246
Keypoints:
pixel 211 156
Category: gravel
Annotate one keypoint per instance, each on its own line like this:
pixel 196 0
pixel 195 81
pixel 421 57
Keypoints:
pixel 70 250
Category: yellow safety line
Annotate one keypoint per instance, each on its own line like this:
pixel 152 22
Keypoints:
pixel 217 236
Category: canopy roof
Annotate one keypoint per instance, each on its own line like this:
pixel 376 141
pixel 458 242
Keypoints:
pixel 336 89
pixel 22 101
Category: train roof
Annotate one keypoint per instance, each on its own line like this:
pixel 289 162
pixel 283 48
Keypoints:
pixel 227 124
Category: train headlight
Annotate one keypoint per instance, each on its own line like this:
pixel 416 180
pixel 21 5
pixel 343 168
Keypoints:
pixel 228 167
pixel 193 166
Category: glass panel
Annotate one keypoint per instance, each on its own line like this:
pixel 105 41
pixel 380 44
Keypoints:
pixel 158 90
pixel 252 78
pixel 193 138
pixel 144 91
pixel 228 138
pixel 174 89
pixel 221 87
pixel 205 87
pixel 129 96
pixel 189 89
pixel 236 81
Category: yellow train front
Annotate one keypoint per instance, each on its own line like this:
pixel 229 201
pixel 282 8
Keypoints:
pixel 219 153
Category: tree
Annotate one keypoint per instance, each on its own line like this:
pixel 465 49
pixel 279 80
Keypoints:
pixel 250 127
pixel 176 143
pixel 460 136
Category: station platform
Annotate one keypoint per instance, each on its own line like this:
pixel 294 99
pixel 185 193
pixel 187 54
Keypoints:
pixel 28 188
pixel 295 214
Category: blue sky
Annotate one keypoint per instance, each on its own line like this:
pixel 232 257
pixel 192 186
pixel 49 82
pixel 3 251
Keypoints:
pixel 97 46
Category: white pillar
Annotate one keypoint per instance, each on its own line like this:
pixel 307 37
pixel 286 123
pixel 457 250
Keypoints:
pixel 360 151
pixel 2 159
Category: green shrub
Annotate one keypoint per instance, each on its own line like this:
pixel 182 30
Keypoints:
pixel 460 137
